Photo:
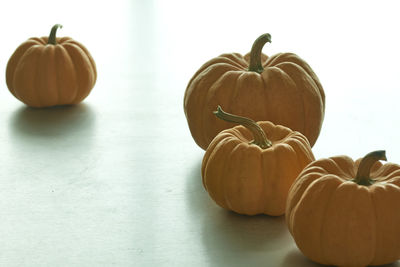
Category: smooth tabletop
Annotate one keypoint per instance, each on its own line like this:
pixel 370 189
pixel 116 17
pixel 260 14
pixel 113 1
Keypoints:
pixel 115 180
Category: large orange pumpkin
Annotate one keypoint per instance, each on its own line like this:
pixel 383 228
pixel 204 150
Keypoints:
pixel 282 89
pixel 50 71
pixel 347 213
pixel 250 168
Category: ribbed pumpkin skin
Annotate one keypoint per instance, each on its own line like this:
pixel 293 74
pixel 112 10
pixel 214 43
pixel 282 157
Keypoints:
pixel 286 93
pixel 43 75
pixel 249 180
pixel 335 221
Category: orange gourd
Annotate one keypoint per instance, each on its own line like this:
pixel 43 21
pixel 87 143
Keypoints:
pixel 246 172
pixel 282 89
pixel 347 213
pixel 50 71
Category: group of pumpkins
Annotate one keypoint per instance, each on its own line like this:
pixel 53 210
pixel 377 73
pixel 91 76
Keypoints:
pixel 339 211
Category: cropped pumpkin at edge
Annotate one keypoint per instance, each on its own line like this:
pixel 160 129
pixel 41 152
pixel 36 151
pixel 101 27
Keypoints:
pixel 51 71
pixel 347 213
pixel 249 168
pixel 281 88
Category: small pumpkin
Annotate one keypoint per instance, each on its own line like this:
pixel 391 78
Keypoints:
pixel 347 213
pixel 282 89
pixel 248 173
pixel 51 71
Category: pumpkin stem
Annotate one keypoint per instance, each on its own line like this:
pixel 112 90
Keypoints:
pixel 52 36
pixel 364 169
pixel 255 53
pixel 260 138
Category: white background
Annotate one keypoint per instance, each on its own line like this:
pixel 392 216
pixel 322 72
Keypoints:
pixel 115 181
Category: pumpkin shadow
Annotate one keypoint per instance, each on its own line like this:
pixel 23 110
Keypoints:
pixel 226 235
pixel 197 199
pixel 59 121
pixel 55 130
pixel 296 258
pixel 394 264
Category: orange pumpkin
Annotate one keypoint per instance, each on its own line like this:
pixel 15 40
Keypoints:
pixel 246 172
pixel 282 89
pixel 50 71
pixel 347 213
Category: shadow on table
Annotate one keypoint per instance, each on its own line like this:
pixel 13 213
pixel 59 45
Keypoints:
pixel 52 122
pixel 197 199
pixel 296 258
pixel 231 239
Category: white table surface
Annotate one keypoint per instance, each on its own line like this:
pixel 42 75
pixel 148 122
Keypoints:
pixel 115 181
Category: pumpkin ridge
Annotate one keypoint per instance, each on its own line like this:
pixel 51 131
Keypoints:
pixel 236 59
pixel 198 98
pixel 80 94
pixel 271 61
pixel 295 59
pixel 69 84
pixel 300 92
pixel 323 219
pixel 57 74
pixel 86 52
pixel 222 180
pixel 268 156
pixel 233 97
pixel 49 70
pixel 66 39
pixel 91 81
pixel 210 66
pixel 391 175
pixel 208 97
pixel 199 78
pixel 37 40
pixel 36 82
pixel 374 208
pixel 334 167
pixel 207 156
pixel 375 195
pixel 216 153
pixel 263 194
pixel 219 197
pixel 265 91
pixel 31 53
pixel 297 192
pixel 226 60
pixel 386 172
pixel 77 86
pixel 300 140
pixel 14 62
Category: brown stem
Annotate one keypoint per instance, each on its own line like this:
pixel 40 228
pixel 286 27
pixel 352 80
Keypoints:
pixel 260 138
pixel 52 37
pixel 255 53
pixel 364 169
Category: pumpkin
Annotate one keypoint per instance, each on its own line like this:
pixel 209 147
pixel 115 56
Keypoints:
pixel 347 213
pixel 249 168
pixel 51 71
pixel 282 89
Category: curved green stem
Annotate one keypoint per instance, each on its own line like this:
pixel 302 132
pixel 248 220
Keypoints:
pixel 52 36
pixel 364 169
pixel 260 138
pixel 255 53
